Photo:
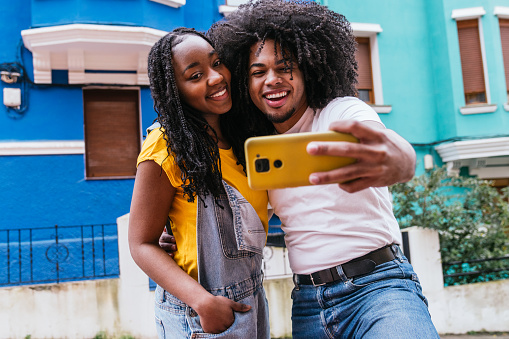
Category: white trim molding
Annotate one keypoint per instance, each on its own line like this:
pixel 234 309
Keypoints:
pixel 484 62
pixel 501 12
pixel 92 53
pixel 230 6
pixel 490 168
pixel 365 29
pixel 368 30
pixel 382 109
pixel 471 149
pixel 225 9
pixel 171 3
pixel 483 168
pixel 467 13
pixel 42 147
pixel 478 109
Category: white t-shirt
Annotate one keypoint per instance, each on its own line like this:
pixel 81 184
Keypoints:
pixel 324 225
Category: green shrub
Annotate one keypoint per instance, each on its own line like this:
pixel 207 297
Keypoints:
pixel 470 215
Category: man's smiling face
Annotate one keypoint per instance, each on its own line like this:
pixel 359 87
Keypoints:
pixel 275 88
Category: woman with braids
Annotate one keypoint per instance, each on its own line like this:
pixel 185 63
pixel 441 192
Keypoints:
pixel 293 62
pixel 190 172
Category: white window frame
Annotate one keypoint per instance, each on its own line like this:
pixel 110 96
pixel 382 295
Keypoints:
pixel 369 30
pixel 468 14
pixel 81 47
pixel 171 3
pixel 502 13
pixel 42 147
pixel 230 6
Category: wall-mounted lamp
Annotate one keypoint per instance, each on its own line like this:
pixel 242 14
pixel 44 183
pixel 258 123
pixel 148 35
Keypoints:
pixel 9 77
pixel 428 162
pixel 12 97
pixel 16 97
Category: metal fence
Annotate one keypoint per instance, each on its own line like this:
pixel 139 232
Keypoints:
pixel 476 270
pixel 57 254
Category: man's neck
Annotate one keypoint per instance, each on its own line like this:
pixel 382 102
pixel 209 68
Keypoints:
pixel 289 123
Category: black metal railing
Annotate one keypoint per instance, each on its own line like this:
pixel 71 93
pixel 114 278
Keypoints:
pixel 476 270
pixel 57 254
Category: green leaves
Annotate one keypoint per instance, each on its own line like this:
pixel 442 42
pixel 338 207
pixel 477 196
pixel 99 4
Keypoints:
pixel 470 216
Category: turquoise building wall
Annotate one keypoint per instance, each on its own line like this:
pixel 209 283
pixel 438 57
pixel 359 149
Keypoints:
pixel 405 63
pixel 421 70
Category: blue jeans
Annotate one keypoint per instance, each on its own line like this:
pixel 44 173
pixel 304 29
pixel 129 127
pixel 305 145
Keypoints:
pixel 386 303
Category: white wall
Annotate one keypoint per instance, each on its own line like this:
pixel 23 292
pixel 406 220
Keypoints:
pixel 462 308
pixel 82 309
pixel 67 310
pixel 125 306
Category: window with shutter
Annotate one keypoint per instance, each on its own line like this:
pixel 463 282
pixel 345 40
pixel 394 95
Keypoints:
pixel 471 61
pixel 365 74
pixel 504 37
pixel 112 132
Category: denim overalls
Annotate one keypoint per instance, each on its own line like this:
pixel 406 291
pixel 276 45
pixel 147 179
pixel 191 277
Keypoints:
pixel 230 241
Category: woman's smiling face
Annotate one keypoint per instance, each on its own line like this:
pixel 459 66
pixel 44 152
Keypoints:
pixel 202 79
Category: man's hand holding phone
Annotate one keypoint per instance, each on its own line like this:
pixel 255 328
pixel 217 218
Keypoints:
pixel 383 157
pixel 280 161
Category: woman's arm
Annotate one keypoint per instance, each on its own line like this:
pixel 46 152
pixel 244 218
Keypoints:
pixel 152 198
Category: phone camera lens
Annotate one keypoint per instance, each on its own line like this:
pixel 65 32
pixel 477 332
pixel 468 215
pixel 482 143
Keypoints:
pixel 262 165
pixel 278 163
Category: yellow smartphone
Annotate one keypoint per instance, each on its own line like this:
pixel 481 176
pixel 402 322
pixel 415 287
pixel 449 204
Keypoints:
pixel 279 161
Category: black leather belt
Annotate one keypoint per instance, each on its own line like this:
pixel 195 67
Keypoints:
pixel 359 266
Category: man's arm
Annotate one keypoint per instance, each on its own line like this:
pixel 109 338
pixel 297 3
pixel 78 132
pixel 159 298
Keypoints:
pixel 383 157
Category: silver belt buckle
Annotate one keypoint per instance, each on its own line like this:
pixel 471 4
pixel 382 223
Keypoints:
pixel 313 281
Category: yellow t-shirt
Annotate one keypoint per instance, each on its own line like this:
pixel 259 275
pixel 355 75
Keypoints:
pixel 182 212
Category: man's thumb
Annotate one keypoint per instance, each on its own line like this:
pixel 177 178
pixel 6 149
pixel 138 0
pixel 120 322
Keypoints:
pixel 238 307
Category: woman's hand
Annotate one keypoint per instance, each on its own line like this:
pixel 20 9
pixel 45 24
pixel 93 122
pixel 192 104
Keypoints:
pixel 217 313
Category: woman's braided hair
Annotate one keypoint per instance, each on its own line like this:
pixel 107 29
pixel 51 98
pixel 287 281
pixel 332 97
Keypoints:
pixel 319 39
pixel 186 132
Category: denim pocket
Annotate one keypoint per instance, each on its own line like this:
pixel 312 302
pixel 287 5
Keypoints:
pixel 169 302
pixel 241 231
pixel 193 319
pixel 160 328
pixel 227 231
pixel 249 230
pixel 245 324
pixel 170 316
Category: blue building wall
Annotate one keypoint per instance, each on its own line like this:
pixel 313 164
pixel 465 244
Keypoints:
pixel 44 190
pixel 130 12
pixel 420 71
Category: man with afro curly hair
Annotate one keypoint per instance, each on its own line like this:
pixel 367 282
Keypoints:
pixel 293 62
